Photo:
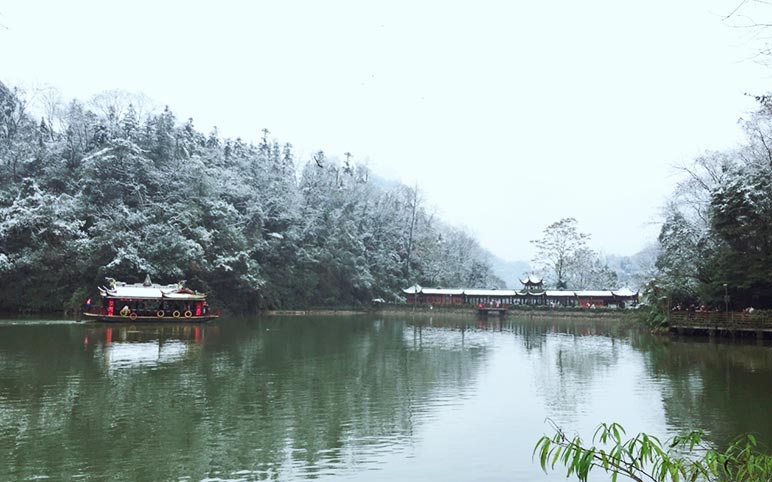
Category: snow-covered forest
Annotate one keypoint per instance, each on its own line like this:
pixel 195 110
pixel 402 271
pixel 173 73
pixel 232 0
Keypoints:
pixel 97 189
pixel 716 240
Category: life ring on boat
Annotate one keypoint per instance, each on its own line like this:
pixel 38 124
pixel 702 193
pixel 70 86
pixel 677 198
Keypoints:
pixel 188 314
pixel 176 313
pixel 133 316
pixel 160 313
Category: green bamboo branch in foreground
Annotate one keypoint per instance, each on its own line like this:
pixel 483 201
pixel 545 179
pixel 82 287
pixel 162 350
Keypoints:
pixel 645 458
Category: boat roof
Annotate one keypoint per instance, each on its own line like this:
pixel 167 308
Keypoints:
pixel 152 291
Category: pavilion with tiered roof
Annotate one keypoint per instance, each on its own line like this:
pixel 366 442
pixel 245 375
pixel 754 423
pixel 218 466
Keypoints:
pixel 532 293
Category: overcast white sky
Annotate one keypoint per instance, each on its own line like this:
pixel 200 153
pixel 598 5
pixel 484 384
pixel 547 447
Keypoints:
pixel 509 115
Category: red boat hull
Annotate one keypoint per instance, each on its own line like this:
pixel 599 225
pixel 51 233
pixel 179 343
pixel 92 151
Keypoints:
pixel 149 319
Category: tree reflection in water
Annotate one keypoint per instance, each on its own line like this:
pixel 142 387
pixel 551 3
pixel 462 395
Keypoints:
pixel 720 385
pixel 311 397
pixel 263 398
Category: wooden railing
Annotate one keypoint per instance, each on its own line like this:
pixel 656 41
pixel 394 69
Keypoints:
pixel 721 320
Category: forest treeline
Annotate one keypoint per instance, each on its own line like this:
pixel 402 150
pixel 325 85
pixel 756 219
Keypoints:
pixel 716 239
pixel 89 190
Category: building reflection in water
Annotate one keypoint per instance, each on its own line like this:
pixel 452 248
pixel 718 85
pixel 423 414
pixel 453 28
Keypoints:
pixel 131 346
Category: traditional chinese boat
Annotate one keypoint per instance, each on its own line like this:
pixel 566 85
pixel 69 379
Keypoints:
pixel 150 302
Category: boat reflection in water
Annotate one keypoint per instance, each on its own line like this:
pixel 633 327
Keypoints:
pixel 147 345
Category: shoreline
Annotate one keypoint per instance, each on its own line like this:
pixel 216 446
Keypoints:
pixel 456 311
pixel 403 310
pixel 319 312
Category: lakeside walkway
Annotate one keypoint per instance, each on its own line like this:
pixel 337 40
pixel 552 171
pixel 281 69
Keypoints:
pixel 494 310
pixel 721 323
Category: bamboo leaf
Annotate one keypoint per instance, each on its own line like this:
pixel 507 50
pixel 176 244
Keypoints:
pixel 644 457
pixel 556 456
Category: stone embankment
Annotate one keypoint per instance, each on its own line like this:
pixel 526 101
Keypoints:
pixel 461 310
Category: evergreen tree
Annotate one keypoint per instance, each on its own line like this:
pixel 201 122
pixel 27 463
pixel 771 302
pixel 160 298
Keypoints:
pixel 119 194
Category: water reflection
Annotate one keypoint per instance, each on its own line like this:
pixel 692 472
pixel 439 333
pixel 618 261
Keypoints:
pixel 375 399
pixel 243 399
pixel 719 385
pixel 148 346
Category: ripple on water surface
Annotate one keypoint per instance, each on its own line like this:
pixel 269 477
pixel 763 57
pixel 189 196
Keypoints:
pixel 354 398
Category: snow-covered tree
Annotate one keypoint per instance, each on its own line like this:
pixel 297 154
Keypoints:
pixel 110 189
pixel 558 246
pixel 716 230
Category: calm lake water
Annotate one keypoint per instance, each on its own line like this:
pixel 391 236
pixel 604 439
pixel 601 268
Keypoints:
pixel 351 398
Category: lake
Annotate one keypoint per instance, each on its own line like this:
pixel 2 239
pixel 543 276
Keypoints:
pixel 352 398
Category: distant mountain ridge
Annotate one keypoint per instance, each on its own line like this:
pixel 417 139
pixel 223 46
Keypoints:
pixel 510 271
pixel 632 272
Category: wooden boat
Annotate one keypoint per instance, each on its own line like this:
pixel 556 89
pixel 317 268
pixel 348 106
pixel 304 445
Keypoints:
pixel 150 302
